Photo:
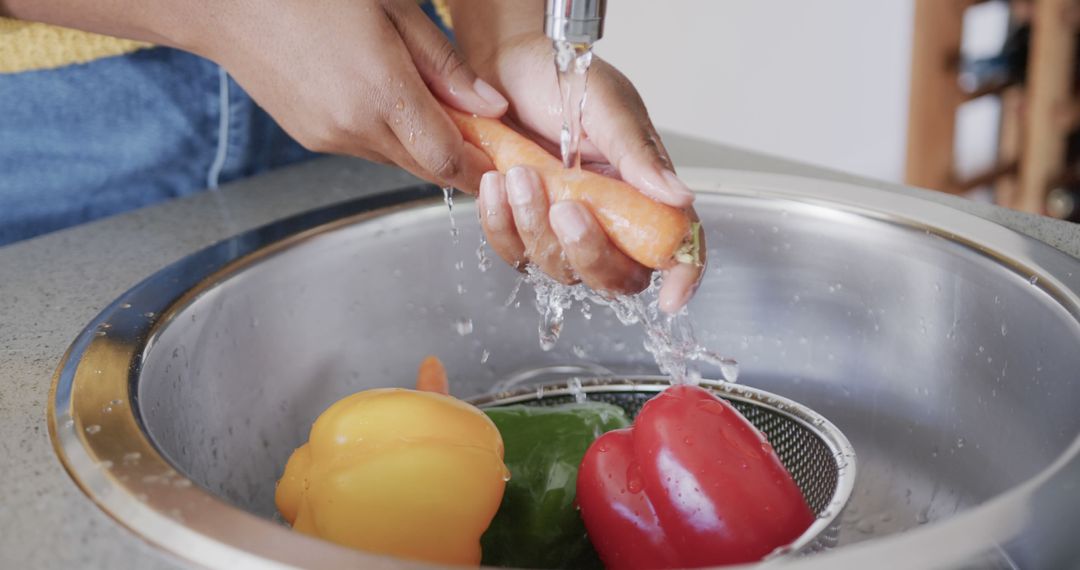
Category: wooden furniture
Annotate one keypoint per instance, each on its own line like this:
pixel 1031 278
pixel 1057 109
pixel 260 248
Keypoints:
pixel 1037 116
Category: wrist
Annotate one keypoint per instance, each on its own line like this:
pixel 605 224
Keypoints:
pixel 194 26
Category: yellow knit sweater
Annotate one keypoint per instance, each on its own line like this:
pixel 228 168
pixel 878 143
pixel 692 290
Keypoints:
pixel 26 46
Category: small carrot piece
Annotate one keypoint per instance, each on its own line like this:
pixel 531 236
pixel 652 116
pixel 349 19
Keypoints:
pixel 653 234
pixel 432 376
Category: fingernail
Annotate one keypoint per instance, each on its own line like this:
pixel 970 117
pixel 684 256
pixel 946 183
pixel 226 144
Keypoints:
pixel 673 303
pixel 489 94
pixel 680 284
pixel 518 186
pixel 567 221
pixel 489 182
pixel 676 186
pixel 659 183
pixel 490 189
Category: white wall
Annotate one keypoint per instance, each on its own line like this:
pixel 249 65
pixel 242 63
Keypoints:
pixel 821 81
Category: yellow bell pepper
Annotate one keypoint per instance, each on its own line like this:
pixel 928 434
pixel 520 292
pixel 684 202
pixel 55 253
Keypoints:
pixel 401 472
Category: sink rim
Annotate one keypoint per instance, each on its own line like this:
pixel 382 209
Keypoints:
pixel 119 336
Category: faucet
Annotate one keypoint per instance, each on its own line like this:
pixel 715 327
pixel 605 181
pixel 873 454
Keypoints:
pixel 575 21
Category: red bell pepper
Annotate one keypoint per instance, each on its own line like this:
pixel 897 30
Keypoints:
pixel 692 483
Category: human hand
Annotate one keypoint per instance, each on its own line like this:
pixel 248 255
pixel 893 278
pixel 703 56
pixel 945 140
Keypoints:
pixel 564 239
pixel 356 77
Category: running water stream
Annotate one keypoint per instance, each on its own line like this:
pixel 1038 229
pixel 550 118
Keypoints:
pixel 572 63
pixel 669 338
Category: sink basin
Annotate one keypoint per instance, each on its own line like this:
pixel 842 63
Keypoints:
pixel 945 348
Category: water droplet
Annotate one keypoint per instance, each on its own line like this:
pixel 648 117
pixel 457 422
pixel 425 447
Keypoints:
pixel 1034 280
pixel 132 457
pixel 149 314
pixel 688 440
pixel 125 305
pixel 634 483
pixel 400 105
pixel 105 464
pixel 579 351
pixel 766 447
pixel 1004 330
pixel 92 429
pixel 483 262
pixel 463 326
pixel 576 389
pixel 959 442
pixel 484 356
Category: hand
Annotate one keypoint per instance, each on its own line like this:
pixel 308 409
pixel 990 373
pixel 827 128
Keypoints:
pixel 564 239
pixel 357 77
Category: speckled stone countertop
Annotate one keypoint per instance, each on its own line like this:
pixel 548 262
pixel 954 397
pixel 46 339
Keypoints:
pixel 52 286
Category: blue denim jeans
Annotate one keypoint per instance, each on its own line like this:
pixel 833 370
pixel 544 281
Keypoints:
pixel 87 141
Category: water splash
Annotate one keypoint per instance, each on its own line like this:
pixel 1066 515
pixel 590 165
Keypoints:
pixel 448 197
pixel 577 390
pixel 670 339
pixel 483 262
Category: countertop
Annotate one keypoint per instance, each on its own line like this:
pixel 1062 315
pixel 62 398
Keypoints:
pixel 51 286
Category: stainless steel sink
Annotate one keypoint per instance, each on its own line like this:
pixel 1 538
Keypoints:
pixel 944 346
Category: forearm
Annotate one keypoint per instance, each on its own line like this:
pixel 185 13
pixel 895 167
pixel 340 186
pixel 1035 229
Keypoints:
pixel 481 26
pixel 175 23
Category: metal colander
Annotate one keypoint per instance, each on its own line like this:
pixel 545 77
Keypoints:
pixel 819 457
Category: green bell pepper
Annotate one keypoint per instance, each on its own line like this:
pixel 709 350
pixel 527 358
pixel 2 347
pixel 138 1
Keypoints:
pixel 538 524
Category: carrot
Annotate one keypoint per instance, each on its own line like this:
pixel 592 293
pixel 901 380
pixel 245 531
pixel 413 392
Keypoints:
pixel 653 234
pixel 432 376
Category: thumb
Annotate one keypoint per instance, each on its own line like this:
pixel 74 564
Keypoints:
pixel 441 67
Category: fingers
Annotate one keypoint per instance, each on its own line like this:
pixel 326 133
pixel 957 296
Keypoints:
pixel 682 280
pixel 441 67
pixel 434 145
pixel 497 219
pixel 598 263
pixel 529 204
pixel 680 283
pixel 566 242
pixel 618 124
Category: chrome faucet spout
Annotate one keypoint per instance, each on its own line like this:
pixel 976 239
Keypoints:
pixel 575 21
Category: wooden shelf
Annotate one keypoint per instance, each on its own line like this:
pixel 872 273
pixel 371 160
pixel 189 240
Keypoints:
pixel 990 89
pixel 1037 117
pixel 986 178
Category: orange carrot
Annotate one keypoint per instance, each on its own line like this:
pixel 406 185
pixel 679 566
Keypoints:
pixel 653 234
pixel 432 376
